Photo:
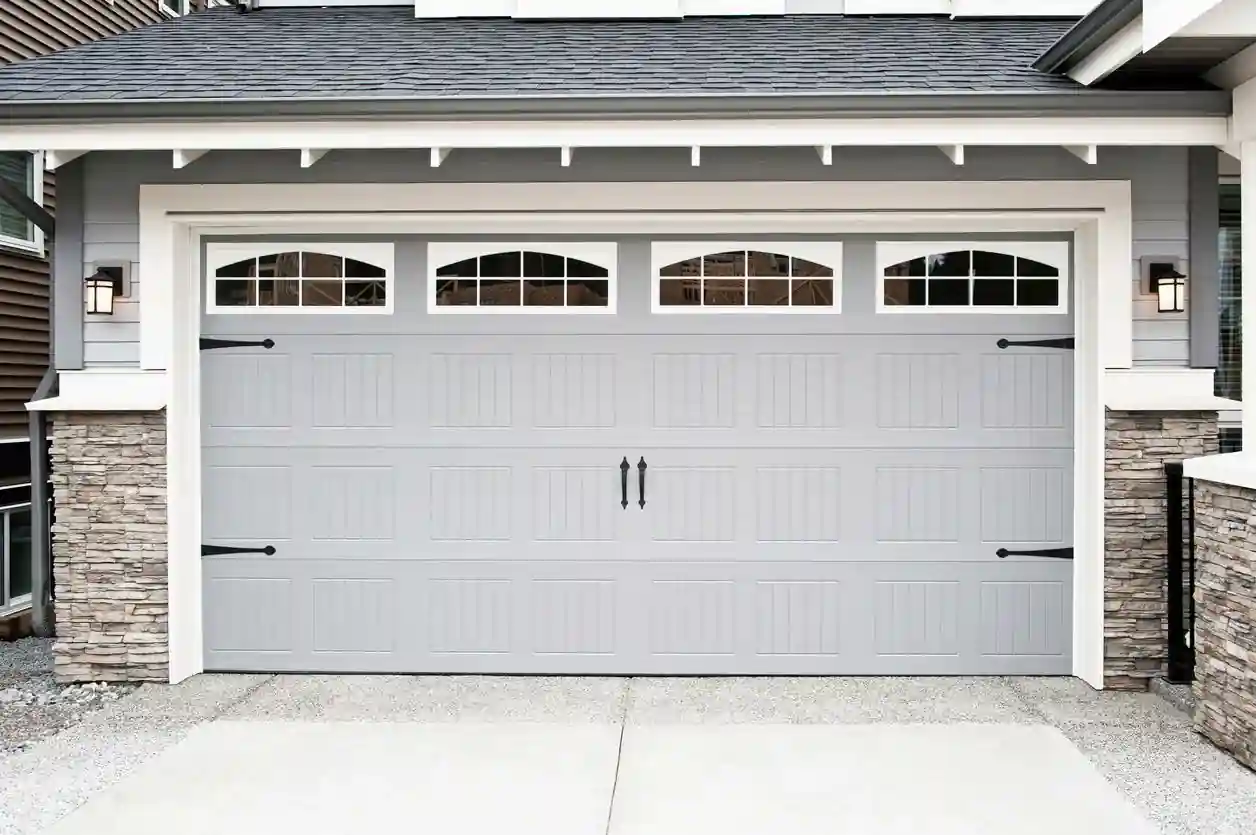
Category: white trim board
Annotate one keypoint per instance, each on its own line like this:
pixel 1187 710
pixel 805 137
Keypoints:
pixel 174 218
pixel 682 134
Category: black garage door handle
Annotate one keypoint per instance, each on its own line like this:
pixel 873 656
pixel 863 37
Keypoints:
pixel 641 481
pixel 623 482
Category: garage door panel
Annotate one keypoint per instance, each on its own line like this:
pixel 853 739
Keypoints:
pixel 610 617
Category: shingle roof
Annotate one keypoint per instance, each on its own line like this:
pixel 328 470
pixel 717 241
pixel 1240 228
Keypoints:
pixel 386 53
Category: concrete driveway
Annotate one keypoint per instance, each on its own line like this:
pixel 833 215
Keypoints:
pixel 559 756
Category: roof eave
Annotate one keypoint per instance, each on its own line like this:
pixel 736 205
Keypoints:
pixel 1108 18
pixel 1081 103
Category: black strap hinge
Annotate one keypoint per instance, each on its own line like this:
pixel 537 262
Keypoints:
pixel 1051 553
pixel 209 343
pixel 219 550
pixel 1068 343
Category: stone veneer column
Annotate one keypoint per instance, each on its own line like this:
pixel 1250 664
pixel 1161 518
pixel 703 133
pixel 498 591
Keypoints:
pixel 1225 617
pixel 1135 618
pixel 109 546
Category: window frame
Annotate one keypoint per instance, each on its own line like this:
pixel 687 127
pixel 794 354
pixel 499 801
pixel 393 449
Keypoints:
pixel 666 253
pixel 35 243
pixel 1053 253
pixel 221 253
pixel 603 254
pixel 17 602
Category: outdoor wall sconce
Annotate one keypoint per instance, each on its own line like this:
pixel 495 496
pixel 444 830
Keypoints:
pixel 98 290
pixel 1170 291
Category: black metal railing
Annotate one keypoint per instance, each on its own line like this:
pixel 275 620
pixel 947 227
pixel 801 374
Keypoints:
pixel 1180 501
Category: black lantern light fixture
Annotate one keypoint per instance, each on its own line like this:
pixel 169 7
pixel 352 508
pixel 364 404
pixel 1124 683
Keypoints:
pixel 1170 291
pixel 98 291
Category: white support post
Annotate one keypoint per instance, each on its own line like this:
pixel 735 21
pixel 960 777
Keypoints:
pixel 955 153
pixel 309 156
pixel 826 154
pixel 439 155
pixel 1088 154
pixel 183 158
pixel 55 159
pixel 695 156
pixel 1248 310
pixel 566 156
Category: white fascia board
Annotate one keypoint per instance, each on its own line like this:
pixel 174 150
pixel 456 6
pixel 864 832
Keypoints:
pixel 870 7
pixel 107 390
pixel 1162 19
pixel 715 133
pixel 1111 55
pixel 449 8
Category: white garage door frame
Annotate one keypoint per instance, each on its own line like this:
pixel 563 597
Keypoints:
pixel 174 219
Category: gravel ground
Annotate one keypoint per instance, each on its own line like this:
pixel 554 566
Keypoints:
pixel 33 706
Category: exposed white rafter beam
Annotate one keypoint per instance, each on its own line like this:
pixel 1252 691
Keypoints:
pixel 923 131
pixel 309 156
pixel 439 155
pixel 184 158
pixel 695 155
pixel 1111 55
pixel 55 159
pixel 955 153
pixel 826 154
pixel 1088 154
pixel 565 156
pixel 1234 149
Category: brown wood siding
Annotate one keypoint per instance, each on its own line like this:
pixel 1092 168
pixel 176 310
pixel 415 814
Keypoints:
pixel 29 28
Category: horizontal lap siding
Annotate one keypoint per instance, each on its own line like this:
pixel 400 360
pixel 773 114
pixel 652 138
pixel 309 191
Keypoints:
pixel 29 28
pixel 23 337
pixel 1159 177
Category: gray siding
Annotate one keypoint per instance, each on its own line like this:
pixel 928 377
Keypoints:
pixel 1159 176
pixel 29 28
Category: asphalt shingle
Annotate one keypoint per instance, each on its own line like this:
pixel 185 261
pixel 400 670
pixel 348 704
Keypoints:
pixel 343 53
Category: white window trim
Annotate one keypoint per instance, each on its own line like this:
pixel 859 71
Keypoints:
pixel 1055 253
pixel 220 254
pixel 602 254
pixel 35 243
pixel 663 253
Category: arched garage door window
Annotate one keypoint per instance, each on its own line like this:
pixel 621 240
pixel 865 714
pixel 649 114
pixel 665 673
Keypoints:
pixel 989 277
pixel 299 278
pixel 521 278
pixel 765 277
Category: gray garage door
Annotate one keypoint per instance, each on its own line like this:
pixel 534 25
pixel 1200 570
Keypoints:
pixel 644 491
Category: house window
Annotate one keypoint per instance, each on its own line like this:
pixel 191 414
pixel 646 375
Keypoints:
pixel 25 171
pixel 972 278
pixel 521 278
pixel 724 277
pixel 300 278
pixel 1229 377
pixel 174 8
pixel 15 560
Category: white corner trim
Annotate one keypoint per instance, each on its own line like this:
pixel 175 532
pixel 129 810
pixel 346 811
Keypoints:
pixel 107 390
pixel 1237 469
pixel 1111 55
pixel 1163 390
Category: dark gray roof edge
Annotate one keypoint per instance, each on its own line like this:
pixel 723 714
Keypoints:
pixel 1083 103
pixel 1108 18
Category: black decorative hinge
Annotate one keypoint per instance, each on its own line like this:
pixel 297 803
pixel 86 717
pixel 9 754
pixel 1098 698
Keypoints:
pixel 1052 553
pixel 1068 343
pixel 208 343
pixel 219 550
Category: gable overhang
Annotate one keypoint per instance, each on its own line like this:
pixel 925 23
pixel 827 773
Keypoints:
pixel 1165 39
